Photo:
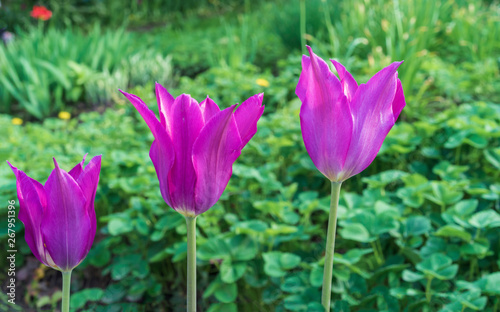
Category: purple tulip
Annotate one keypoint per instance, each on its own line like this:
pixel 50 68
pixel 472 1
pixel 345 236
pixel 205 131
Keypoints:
pixel 343 124
pixel 196 145
pixel 59 217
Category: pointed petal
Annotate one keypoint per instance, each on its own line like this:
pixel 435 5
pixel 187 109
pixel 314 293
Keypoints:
pixel 373 118
pixel 165 101
pixel 66 223
pixel 349 85
pixel 247 115
pixel 399 101
pixel 88 181
pixel 149 117
pixel 78 169
pixel 162 136
pixel 32 198
pixel 208 109
pixel 214 152
pixel 325 116
pixel 162 168
pixel 187 123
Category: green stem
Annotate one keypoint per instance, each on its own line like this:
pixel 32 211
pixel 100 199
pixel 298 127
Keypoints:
pixel 380 250
pixel 303 25
pixel 191 264
pixel 471 268
pixel 330 247
pixel 497 304
pixel 428 289
pixel 375 253
pixel 65 290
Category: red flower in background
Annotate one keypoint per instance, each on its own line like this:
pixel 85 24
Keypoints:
pixel 41 12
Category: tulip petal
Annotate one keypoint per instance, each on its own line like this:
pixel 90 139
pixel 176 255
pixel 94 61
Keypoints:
pixel 162 136
pixel 349 85
pixel 208 109
pixel 247 115
pixel 31 202
pixel 149 117
pixel 162 171
pixel 399 101
pixel 165 101
pixel 65 223
pixel 88 181
pixel 78 169
pixel 373 118
pixel 325 116
pixel 187 123
pixel 214 152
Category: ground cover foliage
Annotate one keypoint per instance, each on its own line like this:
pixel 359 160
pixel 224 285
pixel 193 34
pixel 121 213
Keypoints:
pixel 418 230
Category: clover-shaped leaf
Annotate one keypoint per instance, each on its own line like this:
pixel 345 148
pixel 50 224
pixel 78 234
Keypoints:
pixel 438 266
pixel 453 231
pixel 277 263
pixel 485 219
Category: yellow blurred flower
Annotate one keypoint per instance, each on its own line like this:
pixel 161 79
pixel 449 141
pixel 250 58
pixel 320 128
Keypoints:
pixel 262 82
pixel 17 121
pixel 64 115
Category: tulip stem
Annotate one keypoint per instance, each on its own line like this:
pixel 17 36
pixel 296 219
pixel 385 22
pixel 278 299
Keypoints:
pixel 303 25
pixel 191 264
pixel 65 290
pixel 330 247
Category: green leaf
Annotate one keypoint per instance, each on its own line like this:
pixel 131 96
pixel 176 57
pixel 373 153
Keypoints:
pixel 276 263
pixel 316 276
pixel 443 194
pixel 249 227
pixel 223 307
pixel 356 232
pixel 453 231
pixel 226 293
pixel 493 284
pixel 215 248
pixel 493 157
pixel 438 266
pixel 80 299
pixel 411 277
pixel 382 179
pixel 118 226
pixel 485 219
pixel 417 225
pixel 242 248
pixel 293 284
pixel 231 272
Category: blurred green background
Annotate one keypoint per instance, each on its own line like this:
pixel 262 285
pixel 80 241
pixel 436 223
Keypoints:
pixel 418 229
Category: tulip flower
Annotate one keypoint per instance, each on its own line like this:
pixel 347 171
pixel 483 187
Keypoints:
pixel 193 152
pixel 41 13
pixel 59 217
pixel 343 126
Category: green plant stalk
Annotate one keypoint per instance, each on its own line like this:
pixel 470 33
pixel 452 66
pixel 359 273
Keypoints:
pixel 303 25
pixel 380 250
pixel 472 265
pixel 191 263
pixel 375 252
pixel 428 289
pixel 330 247
pixel 66 290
